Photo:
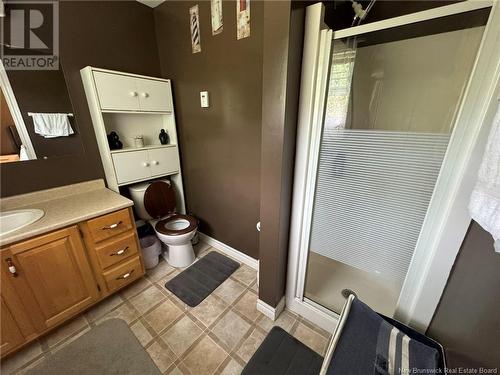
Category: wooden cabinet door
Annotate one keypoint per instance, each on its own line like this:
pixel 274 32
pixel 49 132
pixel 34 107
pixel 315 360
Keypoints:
pixel 131 166
pixel 10 334
pixel 12 297
pixel 117 92
pixel 164 161
pixel 54 270
pixel 154 96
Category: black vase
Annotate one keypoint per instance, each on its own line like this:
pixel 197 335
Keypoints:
pixel 114 141
pixel 164 138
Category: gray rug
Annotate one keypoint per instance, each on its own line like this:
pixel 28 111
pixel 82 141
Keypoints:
pixel 196 283
pixel 109 348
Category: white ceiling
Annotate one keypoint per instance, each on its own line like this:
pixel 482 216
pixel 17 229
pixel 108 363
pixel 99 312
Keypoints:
pixel 151 3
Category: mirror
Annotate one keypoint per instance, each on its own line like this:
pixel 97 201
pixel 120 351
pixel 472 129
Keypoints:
pixel 37 120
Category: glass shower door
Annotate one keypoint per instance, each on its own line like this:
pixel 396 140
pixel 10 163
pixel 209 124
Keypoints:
pixel 389 114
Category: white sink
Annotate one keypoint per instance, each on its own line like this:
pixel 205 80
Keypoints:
pixel 17 219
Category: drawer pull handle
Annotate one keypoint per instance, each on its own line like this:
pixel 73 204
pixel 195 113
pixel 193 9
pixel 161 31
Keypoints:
pixel 125 276
pixel 112 226
pixel 12 267
pixel 119 252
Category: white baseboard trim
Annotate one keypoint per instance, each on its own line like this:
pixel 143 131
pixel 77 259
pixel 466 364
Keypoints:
pixel 269 311
pixel 238 255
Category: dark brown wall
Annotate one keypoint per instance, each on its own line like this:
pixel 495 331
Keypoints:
pixel 283 26
pixel 7 144
pixel 467 320
pixel 108 34
pixel 220 145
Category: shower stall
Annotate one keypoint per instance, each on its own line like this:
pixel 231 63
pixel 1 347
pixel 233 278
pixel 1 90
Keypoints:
pixel 384 121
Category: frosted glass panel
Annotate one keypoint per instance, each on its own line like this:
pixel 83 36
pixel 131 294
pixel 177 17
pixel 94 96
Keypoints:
pixel 372 194
pixel 389 115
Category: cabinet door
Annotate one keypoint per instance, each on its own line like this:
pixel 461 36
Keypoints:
pixel 117 92
pixel 164 160
pixel 15 300
pixel 10 335
pixel 154 95
pixel 56 273
pixel 131 166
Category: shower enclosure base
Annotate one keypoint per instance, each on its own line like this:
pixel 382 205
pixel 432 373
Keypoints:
pixel 326 278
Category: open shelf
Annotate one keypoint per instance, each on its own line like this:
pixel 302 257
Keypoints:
pixel 136 112
pixel 149 147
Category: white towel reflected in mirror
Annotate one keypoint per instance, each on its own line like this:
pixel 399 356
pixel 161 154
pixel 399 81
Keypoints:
pixel 51 125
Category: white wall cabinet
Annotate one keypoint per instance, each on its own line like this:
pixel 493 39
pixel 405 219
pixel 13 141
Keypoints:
pixel 132 105
pixel 164 161
pixel 118 92
pixel 154 95
pixel 132 166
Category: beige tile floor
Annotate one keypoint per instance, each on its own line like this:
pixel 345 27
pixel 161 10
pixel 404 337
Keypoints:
pixel 216 337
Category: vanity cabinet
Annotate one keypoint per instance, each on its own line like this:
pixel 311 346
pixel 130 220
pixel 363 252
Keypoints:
pixel 53 270
pixel 11 336
pixel 120 92
pixel 108 226
pixel 17 323
pixel 113 249
pixel 51 278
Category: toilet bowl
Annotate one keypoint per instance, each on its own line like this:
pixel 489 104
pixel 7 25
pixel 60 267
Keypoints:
pixel 155 203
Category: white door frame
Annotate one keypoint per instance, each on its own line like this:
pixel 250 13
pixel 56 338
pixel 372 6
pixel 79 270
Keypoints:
pixel 447 220
pixel 10 98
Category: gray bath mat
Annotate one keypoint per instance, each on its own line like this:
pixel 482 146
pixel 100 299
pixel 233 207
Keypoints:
pixel 109 348
pixel 196 283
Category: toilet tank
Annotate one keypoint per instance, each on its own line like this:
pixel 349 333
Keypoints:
pixel 137 194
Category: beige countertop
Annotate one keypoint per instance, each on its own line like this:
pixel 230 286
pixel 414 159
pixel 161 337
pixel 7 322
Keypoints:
pixel 63 206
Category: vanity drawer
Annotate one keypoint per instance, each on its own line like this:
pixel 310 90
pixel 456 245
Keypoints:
pixel 110 225
pixel 123 274
pixel 116 249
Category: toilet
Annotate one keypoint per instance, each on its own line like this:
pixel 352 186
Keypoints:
pixel 155 202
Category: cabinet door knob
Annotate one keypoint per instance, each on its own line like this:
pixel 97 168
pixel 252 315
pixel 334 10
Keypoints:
pixel 133 93
pixel 155 162
pixel 145 164
pixel 144 94
pixel 12 267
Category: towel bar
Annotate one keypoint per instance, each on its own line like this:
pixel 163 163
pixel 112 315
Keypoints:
pixel 32 113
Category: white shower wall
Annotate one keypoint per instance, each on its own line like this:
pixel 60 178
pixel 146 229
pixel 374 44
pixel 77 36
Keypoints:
pixel 414 84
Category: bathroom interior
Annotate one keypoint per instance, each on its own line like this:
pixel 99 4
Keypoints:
pixel 223 186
